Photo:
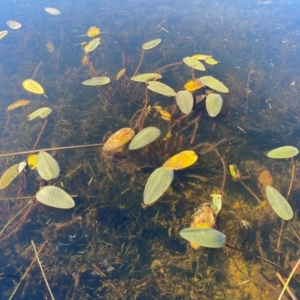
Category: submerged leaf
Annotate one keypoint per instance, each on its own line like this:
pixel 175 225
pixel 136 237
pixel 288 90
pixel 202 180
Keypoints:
pixel 47 166
pixel 214 104
pixel 8 176
pixel 151 44
pixel 49 47
pixel 17 104
pixel 206 237
pixel 181 160
pixel 214 84
pixel 283 152
pixel 3 34
pixel 146 77
pixel 92 45
pixel 32 86
pixel 160 88
pixel 52 11
pixel 96 81
pixel 185 101
pixel 279 204
pixel 118 139
pixel 144 137
pixel 164 114
pixel 158 182
pixel 13 24
pixel 194 63
pixel 42 112
pixel 54 197
pixel 120 73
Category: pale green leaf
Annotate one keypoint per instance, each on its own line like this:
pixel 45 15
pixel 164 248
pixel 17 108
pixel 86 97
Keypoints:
pixel 42 112
pixel 52 11
pixel 47 166
pixel 214 104
pixel 194 63
pixel 3 34
pixel 185 101
pixel 92 45
pixel 160 88
pixel 214 84
pixel 96 81
pixel 144 137
pixel 151 44
pixel 283 152
pixel 8 176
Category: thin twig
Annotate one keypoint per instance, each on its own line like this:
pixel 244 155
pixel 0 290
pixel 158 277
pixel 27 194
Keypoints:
pixel 288 289
pixel 40 134
pixel 39 262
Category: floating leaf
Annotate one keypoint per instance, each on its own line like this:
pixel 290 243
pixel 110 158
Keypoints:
pixel 96 81
pixel 211 61
pixel 201 56
pixel 3 34
pixel 164 114
pixel 22 165
pixel 120 73
pixel 47 166
pixel 194 63
pixel 32 161
pixel 161 88
pixel 92 45
pixel 32 86
pixel 118 139
pixel 214 104
pixel 214 84
pixel 279 204
pixel 185 101
pixel 158 182
pixel 283 152
pixel 181 160
pixel 8 176
pixel 13 24
pixel 49 47
pixel 54 197
pixel 193 85
pixel 42 112
pixel 52 11
pixel 206 237
pixel 146 77
pixel 17 104
pixel 151 44
pixel 144 137
pixel 216 203
pixel 93 32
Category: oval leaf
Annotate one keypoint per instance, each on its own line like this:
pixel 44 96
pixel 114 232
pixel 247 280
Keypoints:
pixel 185 101
pixel 118 139
pixel 47 166
pixel 158 182
pixel 214 104
pixel 151 44
pixel 96 81
pixel 161 88
pixel 3 34
pixel 279 204
pixel 283 152
pixel 54 197
pixel 8 176
pixel 52 11
pixel 206 237
pixel 92 45
pixel 120 73
pixel 194 63
pixel 32 86
pixel 144 137
pixel 42 112
pixel 146 77
pixel 214 84
pixel 181 160
pixel 13 24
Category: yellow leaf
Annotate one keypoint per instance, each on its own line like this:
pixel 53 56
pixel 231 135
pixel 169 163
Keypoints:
pixel 17 104
pixel 32 161
pixel 193 85
pixel 234 172
pixel 181 160
pixel 211 61
pixel 32 86
pixel 118 140
pixel 201 56
pixel 93 32
pixel 164 114
pixel 120 73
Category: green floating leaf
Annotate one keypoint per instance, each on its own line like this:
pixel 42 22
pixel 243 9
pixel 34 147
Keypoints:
pixel 144 137
pixel 194 63
pixel 158 182
pixel 214 84
pixel 161 88
pixel 151 44
pixel 146 77
pixel 3 34
pixel 283 152
pixel 8 176
pixel 279 204
pixel 185 101
pixel 92 45
pixel 47 166
pixel 206 237
pixel 42 112
pixel 216 204
pixel 96 81
pixel 54 197
pixel 214 104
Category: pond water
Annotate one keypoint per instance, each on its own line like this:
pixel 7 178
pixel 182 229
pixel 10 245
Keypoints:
pixel 111 245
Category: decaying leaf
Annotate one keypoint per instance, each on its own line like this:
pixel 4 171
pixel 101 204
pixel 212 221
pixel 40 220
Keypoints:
pixel 17 104
pixel 164 114
pixel 120 73
pixel 146 77
pixel 116 141
pixel 181 160
pixel 193 85
pixel 93 32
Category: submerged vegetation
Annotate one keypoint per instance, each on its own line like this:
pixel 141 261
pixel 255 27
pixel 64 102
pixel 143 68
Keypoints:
pixel 159 165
